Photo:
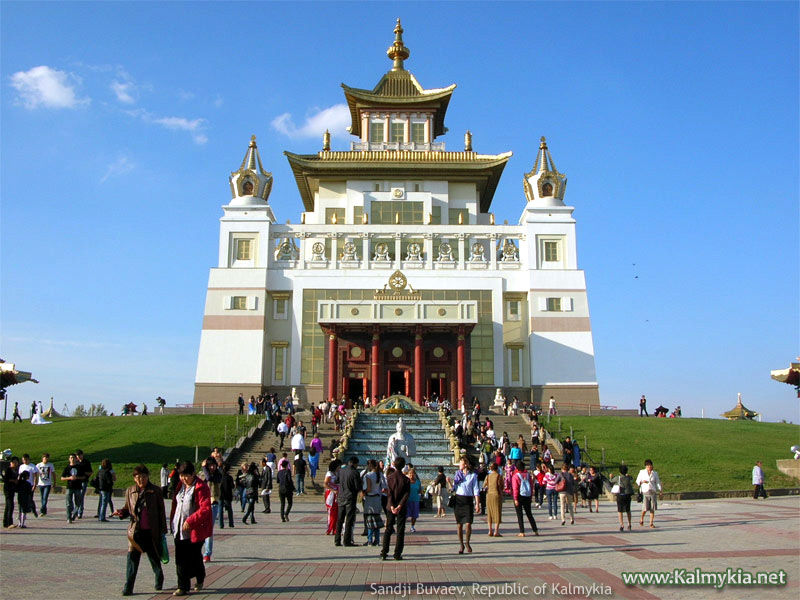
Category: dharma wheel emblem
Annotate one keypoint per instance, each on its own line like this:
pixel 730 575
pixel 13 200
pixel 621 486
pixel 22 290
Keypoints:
pixel 398 281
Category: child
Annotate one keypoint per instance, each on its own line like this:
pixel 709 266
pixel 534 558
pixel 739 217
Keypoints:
pixel 24 498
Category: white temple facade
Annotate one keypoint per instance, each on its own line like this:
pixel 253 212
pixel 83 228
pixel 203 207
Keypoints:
pixel 397 278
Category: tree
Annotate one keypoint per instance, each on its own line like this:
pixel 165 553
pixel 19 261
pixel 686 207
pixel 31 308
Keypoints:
pixel 79 411
pixel 97 410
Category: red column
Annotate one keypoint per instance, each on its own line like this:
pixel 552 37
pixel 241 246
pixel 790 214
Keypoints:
pixel 333 365
pixel 418 365
pixel 375 362
pixel 461 358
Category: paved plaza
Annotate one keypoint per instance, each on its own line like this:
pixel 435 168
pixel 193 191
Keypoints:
pixel 295 560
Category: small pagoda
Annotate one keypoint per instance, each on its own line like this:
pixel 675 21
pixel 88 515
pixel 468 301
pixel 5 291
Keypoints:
pixel 740 412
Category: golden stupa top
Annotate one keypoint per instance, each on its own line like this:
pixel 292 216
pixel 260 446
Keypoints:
pixel 398 88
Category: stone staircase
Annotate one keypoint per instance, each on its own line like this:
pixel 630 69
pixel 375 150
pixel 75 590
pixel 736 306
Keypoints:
pixel 258 447
pixel 371 434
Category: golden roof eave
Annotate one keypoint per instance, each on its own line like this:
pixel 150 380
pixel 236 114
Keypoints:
pixel 436 99
pixel 484 169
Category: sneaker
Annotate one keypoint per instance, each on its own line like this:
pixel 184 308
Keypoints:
pixel 413 529
pixel 198 587
pixel 206 559
pixel 179 592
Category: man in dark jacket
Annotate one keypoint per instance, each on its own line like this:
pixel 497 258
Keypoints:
pixel 350 486
pixel 396 509
pixel 144 504
pixel 285 489
pixel 10 478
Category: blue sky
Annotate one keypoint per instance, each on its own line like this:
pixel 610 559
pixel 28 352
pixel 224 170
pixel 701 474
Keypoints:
pixel 676 123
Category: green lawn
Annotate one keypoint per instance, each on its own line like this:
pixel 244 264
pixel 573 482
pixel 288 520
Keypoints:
pixel 126 441
pixel 689 454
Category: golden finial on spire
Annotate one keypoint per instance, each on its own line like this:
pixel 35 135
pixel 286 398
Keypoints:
pixel 468 141
pixel 252 141
pixel 543 144
pixel 397 51
pixel 326 141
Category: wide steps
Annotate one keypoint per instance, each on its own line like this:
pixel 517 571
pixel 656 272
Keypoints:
pixel 371 435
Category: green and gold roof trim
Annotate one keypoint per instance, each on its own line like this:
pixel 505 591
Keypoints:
pixel 407 156
pixel 484 170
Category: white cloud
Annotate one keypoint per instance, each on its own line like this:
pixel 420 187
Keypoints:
pixel 218 101
pixel 46 87
pixel 121 166
pixel 335 119
pixel 124 91
pixel 194 126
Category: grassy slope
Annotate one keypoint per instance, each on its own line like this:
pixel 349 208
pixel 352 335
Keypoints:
pixel 689 454
pixel 126 441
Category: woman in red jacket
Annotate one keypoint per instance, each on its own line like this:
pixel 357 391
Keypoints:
pixel 191 522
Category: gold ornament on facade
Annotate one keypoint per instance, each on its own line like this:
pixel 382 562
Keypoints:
pixel 397 288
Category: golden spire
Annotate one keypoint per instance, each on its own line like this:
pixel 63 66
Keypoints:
pixel 397 51
pixel 326 141
pixel 252 141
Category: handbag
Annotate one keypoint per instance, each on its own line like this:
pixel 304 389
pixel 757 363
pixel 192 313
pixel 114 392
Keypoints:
pixel 640 497
pixel 561 485
pixel 164 549
pixel 452 501
pixel 615 488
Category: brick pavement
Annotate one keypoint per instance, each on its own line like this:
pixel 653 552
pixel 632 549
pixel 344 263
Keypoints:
pixel 295 560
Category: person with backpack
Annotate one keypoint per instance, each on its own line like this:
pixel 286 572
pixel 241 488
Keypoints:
pixel 522 492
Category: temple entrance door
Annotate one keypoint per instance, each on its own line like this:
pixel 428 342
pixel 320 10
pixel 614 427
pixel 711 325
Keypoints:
pixel 355 388
pixel 398 382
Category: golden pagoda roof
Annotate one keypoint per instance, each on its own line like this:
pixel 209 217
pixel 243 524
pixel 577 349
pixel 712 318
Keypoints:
pixel 740 411
pixel 399 88
pixel 483 169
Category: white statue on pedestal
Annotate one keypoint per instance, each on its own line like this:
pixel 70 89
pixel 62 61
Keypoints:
pixel 401 443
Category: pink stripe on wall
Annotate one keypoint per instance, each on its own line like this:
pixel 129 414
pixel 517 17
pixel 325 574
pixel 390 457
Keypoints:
pixel 241 322
pixel 560 324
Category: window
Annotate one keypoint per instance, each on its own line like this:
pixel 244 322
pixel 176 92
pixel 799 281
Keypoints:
pixel 551 251
pixel 358 215
pixel 554 304
pixel 398 132
pixel 376 187
pixel 418 133
pixel 436 215
pixel 280 306
pixel 376 132
pixel 239 303
pixel 244 249
pixel 278 364
pixel 514 355
pixel 334 216
pixel 417 187
pixel 459 216
pixel 513 310
pixel 386 213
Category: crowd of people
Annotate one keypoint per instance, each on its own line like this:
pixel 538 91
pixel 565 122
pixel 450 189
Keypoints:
pixel 493 470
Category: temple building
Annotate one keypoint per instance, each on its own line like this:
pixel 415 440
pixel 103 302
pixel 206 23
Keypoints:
pixel 397 278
